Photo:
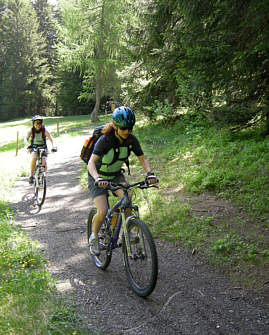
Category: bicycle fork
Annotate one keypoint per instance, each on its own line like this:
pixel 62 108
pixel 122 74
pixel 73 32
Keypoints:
pixel 127 239
pixel 39 172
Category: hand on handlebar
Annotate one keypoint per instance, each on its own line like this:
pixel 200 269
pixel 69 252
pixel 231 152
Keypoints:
pixel 151 178
pixel 100 182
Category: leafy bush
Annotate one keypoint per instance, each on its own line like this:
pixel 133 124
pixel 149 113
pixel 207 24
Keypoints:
pixel 161 111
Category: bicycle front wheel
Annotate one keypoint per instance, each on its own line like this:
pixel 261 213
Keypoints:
pixel 103 260
pixel 40 189
pixel 141 266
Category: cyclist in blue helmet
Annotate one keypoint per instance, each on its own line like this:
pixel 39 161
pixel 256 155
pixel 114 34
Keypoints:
pixel 38 135
pixel 110 152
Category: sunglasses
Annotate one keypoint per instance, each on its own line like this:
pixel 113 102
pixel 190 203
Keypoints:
pixel 39 123
pixel 125 128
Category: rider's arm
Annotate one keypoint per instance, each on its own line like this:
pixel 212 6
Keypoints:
pixel 151 178
pixel 93 171
pixel 49 137
pixel 92 166
pixel 145 163
pixel 26 138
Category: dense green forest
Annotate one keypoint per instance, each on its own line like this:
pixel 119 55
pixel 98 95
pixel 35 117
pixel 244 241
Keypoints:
pixel 161 57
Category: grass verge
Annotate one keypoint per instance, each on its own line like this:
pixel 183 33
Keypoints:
pixel 29 300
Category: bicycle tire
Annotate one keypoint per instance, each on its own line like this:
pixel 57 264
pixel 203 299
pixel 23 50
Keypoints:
pixel 142 269
pixel 103 260
pixel 40 192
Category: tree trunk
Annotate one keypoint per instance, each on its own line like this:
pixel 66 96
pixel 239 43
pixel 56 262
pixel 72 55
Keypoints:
pixel 99 56
pixel 98 90
pixel 267 123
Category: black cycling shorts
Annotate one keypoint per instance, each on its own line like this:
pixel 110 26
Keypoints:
pixel 95 191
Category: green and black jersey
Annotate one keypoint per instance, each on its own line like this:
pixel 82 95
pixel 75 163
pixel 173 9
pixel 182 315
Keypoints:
pixel 113 154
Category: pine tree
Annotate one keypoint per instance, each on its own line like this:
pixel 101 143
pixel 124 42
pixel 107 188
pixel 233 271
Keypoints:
pixel 91 43
pixel 24 72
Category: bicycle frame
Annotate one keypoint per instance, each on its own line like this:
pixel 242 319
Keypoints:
pixel 138 248
pixel 123 204
pixel 39 168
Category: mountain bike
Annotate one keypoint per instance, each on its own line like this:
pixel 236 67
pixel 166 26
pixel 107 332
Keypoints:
pixel 138 248
pixel 40 181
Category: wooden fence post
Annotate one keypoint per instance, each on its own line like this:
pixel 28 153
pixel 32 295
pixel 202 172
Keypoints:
pixel 17 144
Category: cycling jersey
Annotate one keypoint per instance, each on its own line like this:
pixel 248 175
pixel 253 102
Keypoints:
pixel 113 154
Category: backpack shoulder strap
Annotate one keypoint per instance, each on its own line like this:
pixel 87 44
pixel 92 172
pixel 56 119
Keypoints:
pixel 44 134
pixel 116 149
pixel 32 135
pixel 98 131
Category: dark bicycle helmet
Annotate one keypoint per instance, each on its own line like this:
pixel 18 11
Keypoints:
pixel 37 117
pixel 123 117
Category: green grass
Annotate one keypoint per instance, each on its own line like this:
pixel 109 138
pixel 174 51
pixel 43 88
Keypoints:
pixel 193 158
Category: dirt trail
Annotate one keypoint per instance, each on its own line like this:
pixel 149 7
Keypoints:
pixel 190 297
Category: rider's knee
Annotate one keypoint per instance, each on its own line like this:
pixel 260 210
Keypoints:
pixel 101 213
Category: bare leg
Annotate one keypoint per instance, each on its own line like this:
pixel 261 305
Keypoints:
pixel 33 165
pixel 102 207
pixel 44 163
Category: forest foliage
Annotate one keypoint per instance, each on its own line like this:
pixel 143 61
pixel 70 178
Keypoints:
pixel 162 57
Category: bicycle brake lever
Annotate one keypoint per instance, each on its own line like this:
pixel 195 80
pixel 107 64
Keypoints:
pixel 113 187
pixel 143 186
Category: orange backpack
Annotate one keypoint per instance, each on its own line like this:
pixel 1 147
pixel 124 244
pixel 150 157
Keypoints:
pixel 89 143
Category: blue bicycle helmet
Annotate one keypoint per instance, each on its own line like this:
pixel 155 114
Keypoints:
pixel 123 117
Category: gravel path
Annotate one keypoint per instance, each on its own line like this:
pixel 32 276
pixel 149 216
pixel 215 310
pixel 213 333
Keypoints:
pixel 190 296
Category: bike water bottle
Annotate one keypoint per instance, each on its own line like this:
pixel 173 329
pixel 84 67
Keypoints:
pixel 114 219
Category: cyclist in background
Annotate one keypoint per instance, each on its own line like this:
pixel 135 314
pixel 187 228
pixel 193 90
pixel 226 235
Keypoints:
pixel 38 135
pixel 105 165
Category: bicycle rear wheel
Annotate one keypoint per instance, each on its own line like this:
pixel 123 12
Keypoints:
pixel 40 189
pixel 141 267
pixel 103 260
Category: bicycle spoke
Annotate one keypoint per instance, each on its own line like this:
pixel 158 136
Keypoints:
pixel 141 265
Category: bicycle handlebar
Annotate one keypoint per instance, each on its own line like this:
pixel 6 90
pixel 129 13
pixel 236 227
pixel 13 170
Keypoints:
pixel 41 149
pixel 141 184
